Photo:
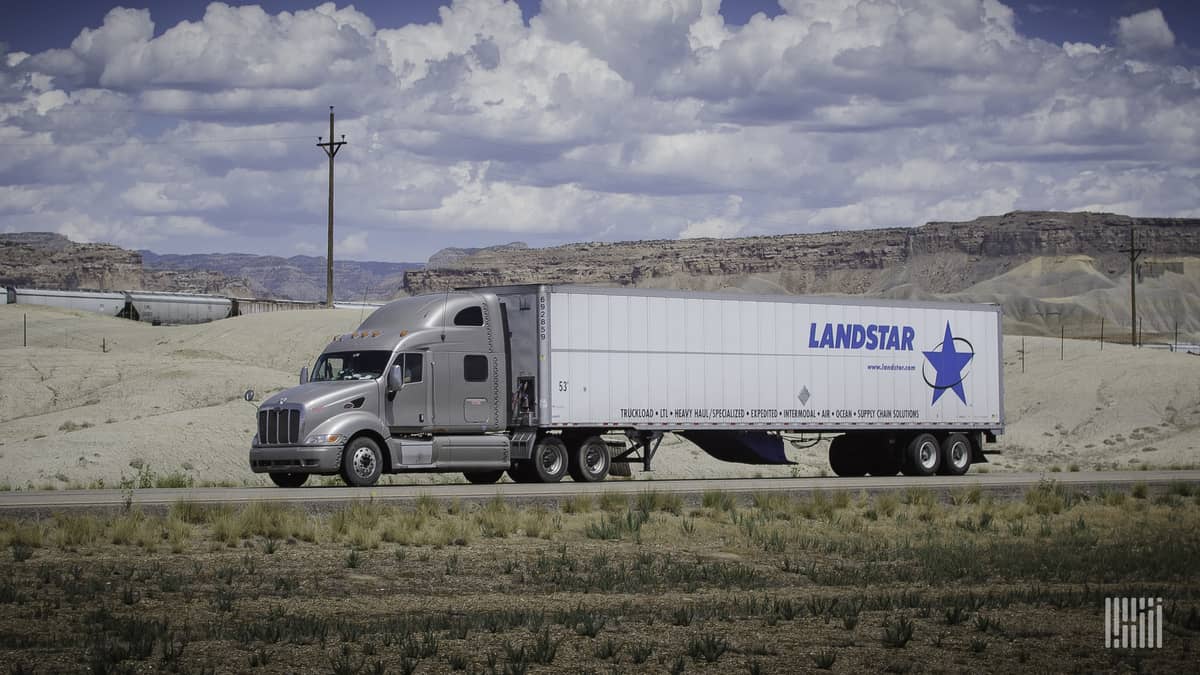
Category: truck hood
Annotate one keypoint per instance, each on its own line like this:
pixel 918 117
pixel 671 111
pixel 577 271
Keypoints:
pixel 317 396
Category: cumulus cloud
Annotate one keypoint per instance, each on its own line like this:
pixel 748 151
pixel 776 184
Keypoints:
pixel 1145 31
pixel 353 245
pixel 611 119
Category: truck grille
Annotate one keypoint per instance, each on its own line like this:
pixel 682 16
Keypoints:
pixel 279 427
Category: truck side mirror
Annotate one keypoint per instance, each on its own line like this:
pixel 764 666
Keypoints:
pixel 395 378
pixel 249 395
pixel 304 375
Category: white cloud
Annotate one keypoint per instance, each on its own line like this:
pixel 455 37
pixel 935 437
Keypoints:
pixel 1145 31
pixel 612 119
pixel 353 244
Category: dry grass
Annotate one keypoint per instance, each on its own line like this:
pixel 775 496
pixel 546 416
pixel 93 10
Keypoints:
pixel 829 581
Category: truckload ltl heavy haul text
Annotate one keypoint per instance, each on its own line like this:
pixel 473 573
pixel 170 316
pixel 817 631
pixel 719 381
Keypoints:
pixel 542 381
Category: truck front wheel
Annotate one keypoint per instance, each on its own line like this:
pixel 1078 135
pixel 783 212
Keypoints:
pixel 590 460
pixel 288 480
pixel 549 459
pixel 361 462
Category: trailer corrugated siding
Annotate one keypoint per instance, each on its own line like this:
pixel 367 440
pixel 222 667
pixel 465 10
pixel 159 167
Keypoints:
pixel 678 361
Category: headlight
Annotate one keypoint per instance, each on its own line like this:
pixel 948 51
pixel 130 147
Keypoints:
pixel 324 439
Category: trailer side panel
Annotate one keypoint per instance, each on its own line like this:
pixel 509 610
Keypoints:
pixel 644 359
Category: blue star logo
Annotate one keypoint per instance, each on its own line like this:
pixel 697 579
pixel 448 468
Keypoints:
pixel 948 364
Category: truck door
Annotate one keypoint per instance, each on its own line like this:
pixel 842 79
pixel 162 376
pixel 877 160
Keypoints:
pixel 466 389
pixel 408 408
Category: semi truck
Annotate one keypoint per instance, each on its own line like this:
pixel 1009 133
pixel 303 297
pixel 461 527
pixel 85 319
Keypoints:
pixel 543 381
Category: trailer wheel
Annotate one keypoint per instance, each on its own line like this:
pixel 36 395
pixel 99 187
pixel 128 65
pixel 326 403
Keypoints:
pixel 590 460
pixel 923 456
pixel 956 455
pixel 288 480
pixel 549 459
pixel 844 460
pixel 482 477
pixel 362 462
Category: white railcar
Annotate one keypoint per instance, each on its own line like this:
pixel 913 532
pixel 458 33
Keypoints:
pixel 101 302
pixel 177 308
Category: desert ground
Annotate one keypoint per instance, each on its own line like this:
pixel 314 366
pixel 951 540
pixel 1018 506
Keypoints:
pixel 898 582
pixel 95 399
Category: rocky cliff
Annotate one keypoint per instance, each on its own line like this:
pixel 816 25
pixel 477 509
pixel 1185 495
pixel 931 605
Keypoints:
pixel 49 260
pixel 299 277
pixel 939 257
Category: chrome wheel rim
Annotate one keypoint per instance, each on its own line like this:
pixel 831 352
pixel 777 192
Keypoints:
pixel 594 457
pixel 958 454
pixel 552 461
pixel 363 462
pixel 927 455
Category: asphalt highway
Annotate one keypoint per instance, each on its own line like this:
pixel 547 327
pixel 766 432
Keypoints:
pixel 1003 483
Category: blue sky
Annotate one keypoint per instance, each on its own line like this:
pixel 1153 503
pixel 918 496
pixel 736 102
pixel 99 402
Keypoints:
pixel 480 122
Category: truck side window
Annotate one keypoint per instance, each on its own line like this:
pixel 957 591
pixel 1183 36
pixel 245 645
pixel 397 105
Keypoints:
pixel 412 368
pixel 471 316
pixel 475 368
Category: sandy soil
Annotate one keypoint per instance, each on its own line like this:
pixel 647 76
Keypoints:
pixel 169 398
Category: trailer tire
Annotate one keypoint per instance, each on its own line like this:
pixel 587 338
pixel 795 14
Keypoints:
pixel 844 460
pixel 482 477
pixel 922 456
pixel 956 455
pixel 362 462
pixel 590 460
pixel 549 461
pixel 288 480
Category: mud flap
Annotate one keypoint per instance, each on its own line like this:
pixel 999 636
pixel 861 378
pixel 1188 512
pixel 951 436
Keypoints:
pixel 743 447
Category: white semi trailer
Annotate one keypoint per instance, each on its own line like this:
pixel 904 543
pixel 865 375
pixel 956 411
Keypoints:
pixel 537 381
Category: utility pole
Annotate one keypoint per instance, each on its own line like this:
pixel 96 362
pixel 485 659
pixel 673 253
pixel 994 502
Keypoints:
pixel 331 149
pixel 1134 252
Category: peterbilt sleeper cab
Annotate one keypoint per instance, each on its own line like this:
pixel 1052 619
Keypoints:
pixel 417 387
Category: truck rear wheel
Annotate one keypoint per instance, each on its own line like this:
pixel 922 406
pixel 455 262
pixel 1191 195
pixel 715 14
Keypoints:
pixel 845 457
pixel 362 462
pixel 288 480
pixel 956 455
pixel 549 459
pixel 923 456
pixel 482 477
pixel 590 460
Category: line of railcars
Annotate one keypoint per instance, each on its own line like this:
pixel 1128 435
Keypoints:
pixel 160 308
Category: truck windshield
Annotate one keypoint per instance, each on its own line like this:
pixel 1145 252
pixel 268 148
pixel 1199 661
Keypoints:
pixel 364 365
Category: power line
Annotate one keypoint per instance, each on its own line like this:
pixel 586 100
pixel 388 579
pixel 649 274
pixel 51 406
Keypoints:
pixel 1134 252
pixel 331 148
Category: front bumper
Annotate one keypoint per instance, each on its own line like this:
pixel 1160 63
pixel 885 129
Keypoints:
pixel 295 458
